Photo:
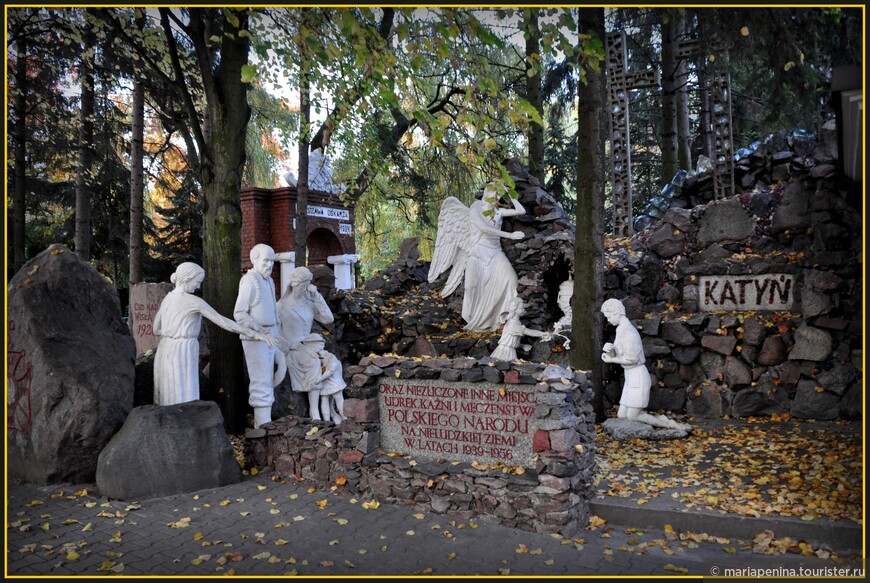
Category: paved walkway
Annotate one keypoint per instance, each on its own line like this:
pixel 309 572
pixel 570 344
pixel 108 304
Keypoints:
pixel 263 527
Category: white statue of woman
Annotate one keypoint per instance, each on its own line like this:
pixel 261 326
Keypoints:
pixel 627 350
pixel 298 308
pixel 178 322
pixel 513 332
pixel 469 240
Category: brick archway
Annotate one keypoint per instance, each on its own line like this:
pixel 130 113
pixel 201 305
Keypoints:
pixel 323 243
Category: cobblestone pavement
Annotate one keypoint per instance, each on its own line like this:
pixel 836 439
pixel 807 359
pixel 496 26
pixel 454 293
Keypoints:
pixel 264 527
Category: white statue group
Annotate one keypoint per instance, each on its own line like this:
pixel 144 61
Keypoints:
pixel 276 339
pixel 469 241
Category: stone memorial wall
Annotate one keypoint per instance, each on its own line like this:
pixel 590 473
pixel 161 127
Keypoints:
pixel 434 419
pixel 415 427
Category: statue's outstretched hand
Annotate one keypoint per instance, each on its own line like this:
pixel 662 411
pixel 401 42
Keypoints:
pixel 517 235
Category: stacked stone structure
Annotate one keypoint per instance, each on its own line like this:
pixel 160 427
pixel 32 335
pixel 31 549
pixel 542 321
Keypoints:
pixel 550 497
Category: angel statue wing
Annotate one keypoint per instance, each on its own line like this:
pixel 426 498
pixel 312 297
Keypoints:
pixel 451 244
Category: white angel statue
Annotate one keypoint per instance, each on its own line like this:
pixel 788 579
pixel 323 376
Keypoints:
pixel 469 240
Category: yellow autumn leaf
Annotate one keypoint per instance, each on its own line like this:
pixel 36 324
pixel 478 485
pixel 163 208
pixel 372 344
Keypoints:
pixel 322 503
pixel 263 555
pixel 744 31
pixel 198 536
pixel 254 471
pixel 371 505
pixel 261 487
pixel 312 490
pixel 341 521
pixel 674 568
pixel 333 542
pixel 224 502
pixel 274 511
pixel 312 431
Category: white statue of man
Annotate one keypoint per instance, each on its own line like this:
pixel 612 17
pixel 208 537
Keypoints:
pixel 178 323
pixel 469 241
pixel 256 309
pixel 627 350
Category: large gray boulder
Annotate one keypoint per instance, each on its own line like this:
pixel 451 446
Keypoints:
pixel 165 450
pixel 70 368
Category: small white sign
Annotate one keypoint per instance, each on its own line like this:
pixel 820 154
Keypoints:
pixel 345 229
pixel 328 213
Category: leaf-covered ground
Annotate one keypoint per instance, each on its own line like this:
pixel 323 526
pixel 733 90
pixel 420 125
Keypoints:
pixel 754 467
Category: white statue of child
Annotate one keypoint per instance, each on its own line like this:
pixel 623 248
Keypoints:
pixel 330 382
pixel 513 332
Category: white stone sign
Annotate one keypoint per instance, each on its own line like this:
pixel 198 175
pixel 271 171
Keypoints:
pixel 443 420
pixel 345 229
pixel 328 213
pixel 771 291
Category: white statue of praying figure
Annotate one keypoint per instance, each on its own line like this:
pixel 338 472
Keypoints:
pixel 627 350
pixel 469 241
pixel 178 323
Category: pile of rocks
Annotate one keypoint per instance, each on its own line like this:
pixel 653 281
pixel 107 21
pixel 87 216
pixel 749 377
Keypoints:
pixel 806 361
pixel 550 497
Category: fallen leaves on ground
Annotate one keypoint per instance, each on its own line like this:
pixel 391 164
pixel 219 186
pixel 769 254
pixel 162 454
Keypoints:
pixel 759 468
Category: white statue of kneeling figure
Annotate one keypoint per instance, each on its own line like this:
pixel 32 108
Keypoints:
pixel 627 350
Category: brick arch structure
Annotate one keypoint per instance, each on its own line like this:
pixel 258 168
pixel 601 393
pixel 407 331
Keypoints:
pixel 269 216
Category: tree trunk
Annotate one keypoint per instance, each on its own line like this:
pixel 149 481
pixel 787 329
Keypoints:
pixel 82 239
pixel 300 244
pixel 222 164
pixel 533 93
pixel 19 195
pixel 137 183
pixel 589 243
pixel 669 143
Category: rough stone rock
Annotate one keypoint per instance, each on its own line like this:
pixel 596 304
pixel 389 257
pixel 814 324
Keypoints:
pixel 70 368
pixel 687 354
pixel 753 331
pixel 773 351
pixel 708 401
pixel 653 347
pixel 850 405
pixel 666 241
pixel 408 248
pixel 678 333
pixel 792 210
pixel 736 372
pixel 712 365
pixel 814 303
pixel 810 403
pixel 759 401
pixel 667 399
pixel 721 344
pixel 679 218
pixel 165 450
pixel 726 221
pixel 628 429
pixel 837 378
pixel 811 344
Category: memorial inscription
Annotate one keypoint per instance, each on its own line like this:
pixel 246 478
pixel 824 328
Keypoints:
pixel 439 420
pixel 773 291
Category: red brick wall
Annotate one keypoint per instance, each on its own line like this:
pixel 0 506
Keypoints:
pixel 267 217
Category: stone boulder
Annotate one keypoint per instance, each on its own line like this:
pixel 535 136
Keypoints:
pixel 71 368
pixel 165 450
pixel 725 221
pixel 813 402
pixel 628 429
